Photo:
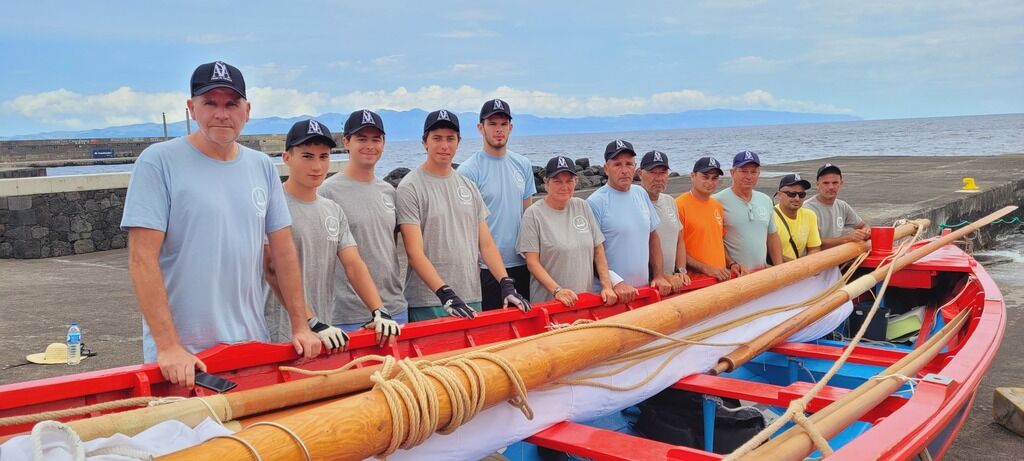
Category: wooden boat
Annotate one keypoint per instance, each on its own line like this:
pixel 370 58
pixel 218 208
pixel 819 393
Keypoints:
pixel 911 422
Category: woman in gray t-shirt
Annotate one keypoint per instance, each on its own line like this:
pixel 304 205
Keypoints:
pixel 561 241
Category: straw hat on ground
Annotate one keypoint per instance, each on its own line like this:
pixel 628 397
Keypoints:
pixel 55 353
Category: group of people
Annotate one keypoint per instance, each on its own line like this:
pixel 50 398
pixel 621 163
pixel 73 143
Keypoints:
pixel 221 250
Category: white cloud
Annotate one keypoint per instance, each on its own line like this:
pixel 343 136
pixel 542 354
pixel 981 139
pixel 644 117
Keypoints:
pixel 124 105
pixel 456 68
pixel 550 104
pixel 752 65
pixel 119 107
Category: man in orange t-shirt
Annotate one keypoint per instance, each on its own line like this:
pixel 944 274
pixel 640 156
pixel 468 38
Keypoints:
pixel 703 229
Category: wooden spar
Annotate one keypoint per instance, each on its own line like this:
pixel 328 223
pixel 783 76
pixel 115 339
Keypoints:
pixel 360 426
pixel 802 319
pixel 795 444
pixel 237 405
pixel 780 333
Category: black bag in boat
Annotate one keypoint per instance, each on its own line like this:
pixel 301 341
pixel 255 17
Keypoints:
pixel 677 417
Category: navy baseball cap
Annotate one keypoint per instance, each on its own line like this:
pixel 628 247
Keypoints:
pixel 706 164
pixel 495 106
pixel 616 147
pixel 363 119
pixel 441 119
pixel 744 158
pixel 653 159
pixel 829 168
pixel 217 74
pixel 794 179
pixel 559 164
pixel 305 131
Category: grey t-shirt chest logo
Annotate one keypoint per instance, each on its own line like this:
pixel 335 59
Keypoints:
pixel 387 202
pixel 333 227
pixel 839 222
pixel 465 196
pixel 581 224
pixel 259 200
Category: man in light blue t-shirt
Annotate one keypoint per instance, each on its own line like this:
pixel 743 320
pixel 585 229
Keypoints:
pixel 505 181
pixel 750 234
pixel 197 212
pixel 629 223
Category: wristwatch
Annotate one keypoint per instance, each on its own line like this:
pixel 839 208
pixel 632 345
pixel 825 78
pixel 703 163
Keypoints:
pixel 680 270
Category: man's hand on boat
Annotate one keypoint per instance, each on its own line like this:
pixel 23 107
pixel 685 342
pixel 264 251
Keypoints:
pixel 333 338
pixel 306 343
pixel 452 303
pixel 383 325
pixel 511 296
pixel 738 270
pixel 179 365
pixel 662 284
pixel 608 296
pixel 625 292
pixel 679 281
pixel 566 296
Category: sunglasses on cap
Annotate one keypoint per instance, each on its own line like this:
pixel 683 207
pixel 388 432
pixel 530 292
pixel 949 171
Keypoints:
pixel 792 194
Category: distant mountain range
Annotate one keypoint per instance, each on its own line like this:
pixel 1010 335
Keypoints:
pixel 403 125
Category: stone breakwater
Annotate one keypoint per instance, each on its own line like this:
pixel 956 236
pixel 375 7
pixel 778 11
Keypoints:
pixel 64 215
pixel 590 176
pixel 61 224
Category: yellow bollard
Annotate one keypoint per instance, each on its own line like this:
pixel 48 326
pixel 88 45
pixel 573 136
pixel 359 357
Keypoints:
pixel 970 185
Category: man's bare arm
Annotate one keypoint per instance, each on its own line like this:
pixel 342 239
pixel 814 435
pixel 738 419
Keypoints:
pixel 176 364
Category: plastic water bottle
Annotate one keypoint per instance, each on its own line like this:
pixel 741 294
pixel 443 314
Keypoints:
pixel 74 344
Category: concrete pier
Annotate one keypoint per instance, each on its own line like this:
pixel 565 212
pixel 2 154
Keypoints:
pixel 41 296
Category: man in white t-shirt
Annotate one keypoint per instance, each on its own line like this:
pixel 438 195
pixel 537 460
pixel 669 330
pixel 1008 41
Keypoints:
pixel 654 178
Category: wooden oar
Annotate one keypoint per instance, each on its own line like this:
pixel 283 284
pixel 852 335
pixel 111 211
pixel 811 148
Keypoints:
pixel 815 312
pixel 360 426
pixel 237 405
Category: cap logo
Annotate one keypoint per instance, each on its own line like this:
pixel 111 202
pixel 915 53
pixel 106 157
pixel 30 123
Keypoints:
pixel 828 165
pixel 749 156
pixel 796 177
pixel 657 157
pixel 562 163
pixel 498 105
pixel 443 115
pixel 314 128
pixel 368 118
pixel 619 144
pixel 714 163
pixel 220 72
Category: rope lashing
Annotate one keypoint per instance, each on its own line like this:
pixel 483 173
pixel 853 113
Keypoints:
pixel 1015 220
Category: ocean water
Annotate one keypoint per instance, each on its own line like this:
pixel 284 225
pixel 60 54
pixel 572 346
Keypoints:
pixel 969 135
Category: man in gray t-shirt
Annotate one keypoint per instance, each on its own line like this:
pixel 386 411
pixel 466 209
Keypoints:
pixel 369 203
pixel 837 222
pixel 443 223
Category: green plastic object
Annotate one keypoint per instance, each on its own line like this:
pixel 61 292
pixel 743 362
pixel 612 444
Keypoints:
pixel 905 324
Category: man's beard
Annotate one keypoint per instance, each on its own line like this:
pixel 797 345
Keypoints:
pixel 496 145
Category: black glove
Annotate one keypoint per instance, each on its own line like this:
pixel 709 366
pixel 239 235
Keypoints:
pixel 332 337
pixel 511 296
pixel 452 303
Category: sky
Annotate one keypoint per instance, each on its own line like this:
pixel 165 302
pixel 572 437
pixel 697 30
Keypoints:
pixel 78 65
